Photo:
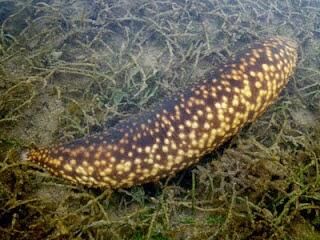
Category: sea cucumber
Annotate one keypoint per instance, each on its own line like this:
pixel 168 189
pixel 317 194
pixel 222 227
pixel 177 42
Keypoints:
pixel 177 132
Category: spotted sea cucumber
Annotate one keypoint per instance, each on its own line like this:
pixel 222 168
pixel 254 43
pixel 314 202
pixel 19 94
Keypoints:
pixel 177 132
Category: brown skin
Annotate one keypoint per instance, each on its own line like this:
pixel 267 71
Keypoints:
pixel 184 127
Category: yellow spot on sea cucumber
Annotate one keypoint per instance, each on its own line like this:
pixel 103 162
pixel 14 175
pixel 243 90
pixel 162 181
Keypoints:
pixel 165 149
pixel 68 167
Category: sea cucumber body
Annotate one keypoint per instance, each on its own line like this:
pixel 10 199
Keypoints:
pixel 179 131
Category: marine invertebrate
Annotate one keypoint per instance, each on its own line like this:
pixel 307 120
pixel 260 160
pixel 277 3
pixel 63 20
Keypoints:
pixel 181 129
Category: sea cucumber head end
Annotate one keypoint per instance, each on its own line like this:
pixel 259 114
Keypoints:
pixel 24 155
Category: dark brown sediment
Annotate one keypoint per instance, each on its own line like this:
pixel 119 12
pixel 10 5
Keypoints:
pixel 177 132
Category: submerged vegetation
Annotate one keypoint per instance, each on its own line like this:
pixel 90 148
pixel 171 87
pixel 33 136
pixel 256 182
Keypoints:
pixel 69 68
